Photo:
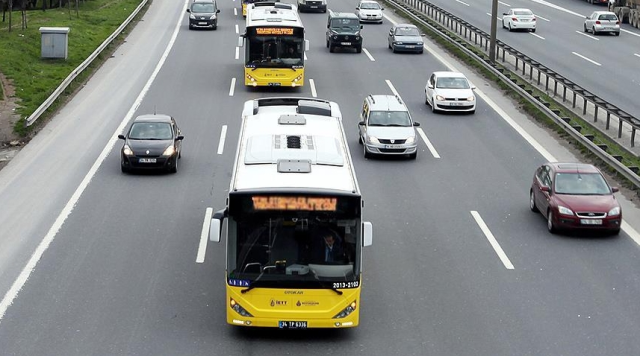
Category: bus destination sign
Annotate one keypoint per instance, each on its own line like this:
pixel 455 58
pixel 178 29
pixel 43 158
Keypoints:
pixel 277 31
pixel 294 203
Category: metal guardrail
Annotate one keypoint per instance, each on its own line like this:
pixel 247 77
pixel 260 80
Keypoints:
pixel 460 26
pixel 65 83
pixel 577 94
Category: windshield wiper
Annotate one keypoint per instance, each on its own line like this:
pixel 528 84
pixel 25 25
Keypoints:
pixel 253 284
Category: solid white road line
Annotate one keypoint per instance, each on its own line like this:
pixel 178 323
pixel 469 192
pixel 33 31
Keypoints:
pixel 19 283
pixel 629 32
pixel 393 89
pixel 587 59
pixel 637 55
pixel 492 240
pixel 463 3
pixel 204 235
pixel 368 55
pixel 312 84
pixel 587 35
pixel 223 137
pixel 542 18
pixel 504 3
pixel 432 149
pixel 305 56
pixel 633 234
pixel 232 87
pixel 237 52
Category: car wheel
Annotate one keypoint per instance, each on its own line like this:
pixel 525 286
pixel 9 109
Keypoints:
pixel 420 52
pixel 359 49
pixel 593 30
pixel 615 232
pixel 360 140
pixel 327 43
pixel 389 46
pixel 534 30
pixel 472 112
pixel 174 169
pixel 617 33
pixel 550 225
pixel 510 29
pixel 532 202
pixel 366 153
pixel 503 26
pixel 585 28
pixel 124 169
pixel 433 106
pixel 394 49
pixel 331 48
pixel 426 98
pixel 413 155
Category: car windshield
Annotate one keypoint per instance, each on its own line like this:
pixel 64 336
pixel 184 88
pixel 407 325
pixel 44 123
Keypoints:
pixel 150 131
pixel 452 83
pixel 581 184
pixel 202 8
pixel 389 118
pixel 610 17
pixel 345 24
pixel 522 12
pixel 369 6
pixel 407 31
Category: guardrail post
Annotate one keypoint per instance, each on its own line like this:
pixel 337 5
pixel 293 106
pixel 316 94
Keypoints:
pixel 574 99
pixel 633 136
pixel 555 86
pixel 584 106
pixel 524 65
pixel 608 120
pixel 595 114
pixel 546 83
pixel 539 73
pixel 564 93
pixel 531 72
pixel 517 62
pixel 620 130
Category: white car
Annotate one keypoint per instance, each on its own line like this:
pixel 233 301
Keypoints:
pixel 450 91
pixel 519 19
pixel 369 11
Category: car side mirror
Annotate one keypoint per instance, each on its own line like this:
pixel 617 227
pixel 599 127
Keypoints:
pixel 473 87
pixel 382 8
pixel 504 13
pixel 189 10
pixel 361 27
pixel 121 137
pixel 416 124
pixel 179 138
pixel 615 189
pixel 361 123
pixel 430 86
pixel 357 8
pixel 218 11
pixel 587 17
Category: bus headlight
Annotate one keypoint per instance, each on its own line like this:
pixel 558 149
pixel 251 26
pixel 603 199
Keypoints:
pixel 127 150
pixel 297 78
pixel 251 79
pixel 346 311
pixel 239 309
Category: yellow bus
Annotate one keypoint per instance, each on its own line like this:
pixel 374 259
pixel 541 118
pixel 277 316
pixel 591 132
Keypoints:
pixel 293 219
pixel 274 46
pixel 246 3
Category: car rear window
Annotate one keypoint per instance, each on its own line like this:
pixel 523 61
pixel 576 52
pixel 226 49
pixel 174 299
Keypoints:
pixel 611 17
pixel 523 12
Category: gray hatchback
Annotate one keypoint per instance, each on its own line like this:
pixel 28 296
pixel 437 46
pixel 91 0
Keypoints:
pixel 405 38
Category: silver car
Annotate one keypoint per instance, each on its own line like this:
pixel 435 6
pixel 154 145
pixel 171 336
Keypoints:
pixel 602 22
pixel 386 127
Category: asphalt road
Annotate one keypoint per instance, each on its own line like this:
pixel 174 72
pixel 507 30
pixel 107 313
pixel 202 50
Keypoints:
pixel 606 65
pixel 119 276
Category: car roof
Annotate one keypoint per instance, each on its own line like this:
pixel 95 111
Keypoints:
pixel 449 74
pixel 386 103
pixel 604 13
pixel 153 118
pixel 343 14
pixel 368 1
pixel 521 9
pixel 406 25
pixel 571 167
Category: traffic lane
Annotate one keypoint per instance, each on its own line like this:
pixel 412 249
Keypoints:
pixel 36 204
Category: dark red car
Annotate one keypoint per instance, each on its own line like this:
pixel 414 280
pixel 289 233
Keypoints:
pixel 575 196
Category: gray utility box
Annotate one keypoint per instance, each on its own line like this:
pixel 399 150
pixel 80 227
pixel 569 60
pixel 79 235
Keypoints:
pixel 55 41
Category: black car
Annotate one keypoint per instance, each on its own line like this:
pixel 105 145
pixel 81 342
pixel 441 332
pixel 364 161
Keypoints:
pixel 343 30
pixel 203 14
pixel 152 142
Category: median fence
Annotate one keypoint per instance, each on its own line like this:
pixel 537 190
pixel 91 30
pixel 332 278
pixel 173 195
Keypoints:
pixel 606 117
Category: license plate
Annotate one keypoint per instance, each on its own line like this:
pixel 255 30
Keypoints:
pixel 147 160
pixel 411 46
pixel 274 84
pixel 591 221
pixel 292 324
pixel 456 104
pixel 314 7
pixel 202 23
pixel 346 43
pixel 391 146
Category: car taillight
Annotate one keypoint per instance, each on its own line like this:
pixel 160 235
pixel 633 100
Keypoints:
pixel 514 19
pixel 617 22
pixel 597 22
pixel 533 19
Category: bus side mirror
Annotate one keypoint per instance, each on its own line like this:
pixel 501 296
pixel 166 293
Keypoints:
pixel 240 41
pixel 215 226
pixel 367 228
pixel 306 45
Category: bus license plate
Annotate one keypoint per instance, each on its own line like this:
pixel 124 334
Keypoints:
pixel 591 221
pixel 274 84
pixel 346 43
pixel 147 160
pixel 292 324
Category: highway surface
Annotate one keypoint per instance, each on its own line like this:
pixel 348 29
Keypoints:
pixel 94 262
pixel 606 65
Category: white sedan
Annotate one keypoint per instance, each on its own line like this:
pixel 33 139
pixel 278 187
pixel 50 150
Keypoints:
pixel 450 91
pixel 519 19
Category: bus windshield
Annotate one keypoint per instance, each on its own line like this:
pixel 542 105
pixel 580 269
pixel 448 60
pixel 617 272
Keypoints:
pixel 300 248
pixel 275 48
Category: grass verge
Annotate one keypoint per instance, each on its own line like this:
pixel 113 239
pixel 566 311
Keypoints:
pixel 34 78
